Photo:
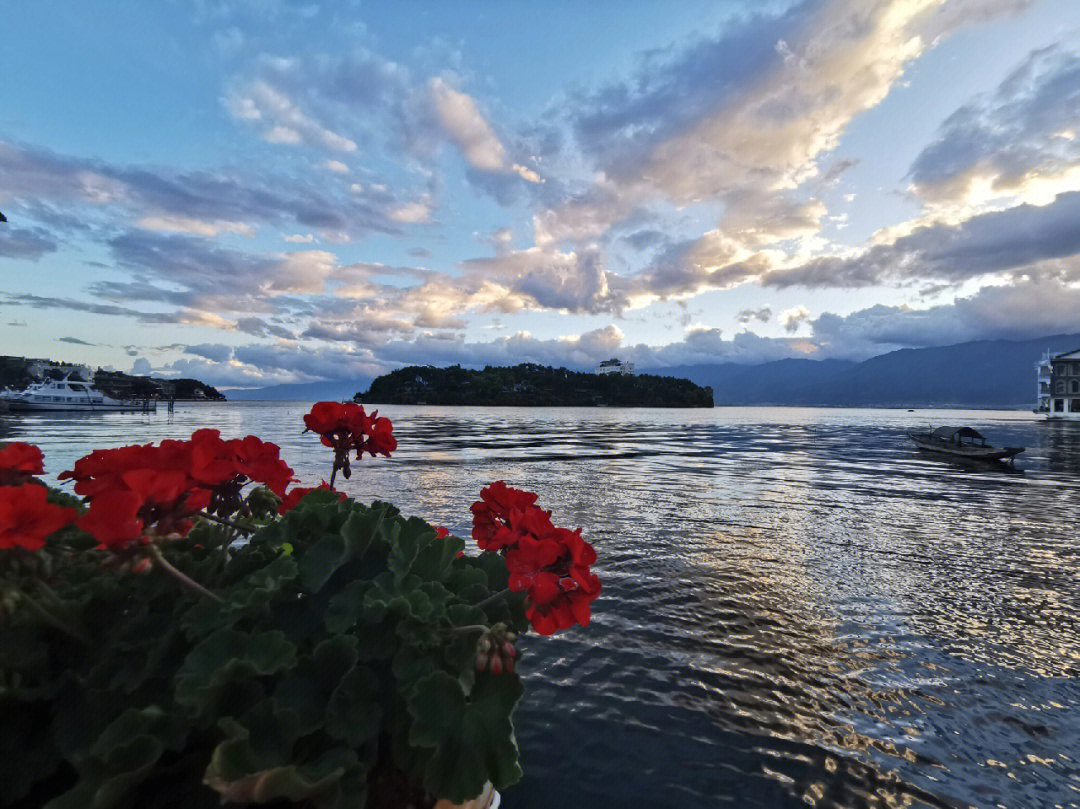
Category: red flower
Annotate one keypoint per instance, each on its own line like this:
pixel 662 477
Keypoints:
pixel 549 564
pixel 259 461
pixel 27 518
pixel 325 417
pixel 442 531
pixel 19 462
pixel 133 488
pixel 345 427
pixel 298 493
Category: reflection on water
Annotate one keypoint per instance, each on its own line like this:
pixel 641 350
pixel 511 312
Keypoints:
pixel 798 608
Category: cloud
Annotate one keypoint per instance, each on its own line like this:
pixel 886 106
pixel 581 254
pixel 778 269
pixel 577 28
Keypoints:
pixel 25 243
pixel 335 166
pixel 141 367
pixel 997 241
pixel 281 118
pixel 74 341
pixel 1021 141
pixel 1024 310
pixel 194 202
pixel 467 128
pixel 744 116
pixel 764 314
pixel 792 318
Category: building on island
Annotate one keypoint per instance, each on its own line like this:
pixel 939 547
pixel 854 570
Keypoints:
pixel 614 366
pixel 1058 385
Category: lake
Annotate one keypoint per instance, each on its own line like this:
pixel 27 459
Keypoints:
pixel 798 608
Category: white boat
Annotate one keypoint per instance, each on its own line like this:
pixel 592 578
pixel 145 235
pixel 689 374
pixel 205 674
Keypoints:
pixel 69 394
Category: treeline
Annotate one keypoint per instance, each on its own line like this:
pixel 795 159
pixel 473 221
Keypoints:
pixel 17 373
pixel 530 385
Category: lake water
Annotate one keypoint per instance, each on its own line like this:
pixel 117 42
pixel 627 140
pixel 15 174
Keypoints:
pixel 798 608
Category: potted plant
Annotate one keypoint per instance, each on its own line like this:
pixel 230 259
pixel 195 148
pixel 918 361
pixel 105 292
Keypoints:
pixel 187 630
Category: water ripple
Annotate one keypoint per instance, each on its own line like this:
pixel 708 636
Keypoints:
pixel 798 609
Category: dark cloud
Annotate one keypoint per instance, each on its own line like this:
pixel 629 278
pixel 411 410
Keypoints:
pixel 74 341
pixel 764 314
pixel 1019 311
pixel 201 202
pixel 837 169
pixel 25 243
pixel 258 327
pixel 674 89
pixel 1011 239
pixel 1029 126
pixel 211 351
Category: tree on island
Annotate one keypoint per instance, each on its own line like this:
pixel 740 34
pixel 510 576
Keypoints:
pixel 528 385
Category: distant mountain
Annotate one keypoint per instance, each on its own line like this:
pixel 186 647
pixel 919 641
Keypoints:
pixel 332 390
pixel 984 374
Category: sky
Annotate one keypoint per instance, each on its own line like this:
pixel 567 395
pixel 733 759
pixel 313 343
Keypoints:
pixel 256 192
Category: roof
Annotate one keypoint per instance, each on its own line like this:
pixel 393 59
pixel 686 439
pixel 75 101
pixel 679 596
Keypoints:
pixel 949 433
pixel 1068 355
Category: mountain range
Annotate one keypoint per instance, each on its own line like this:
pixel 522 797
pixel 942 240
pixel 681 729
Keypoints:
pixel 983 374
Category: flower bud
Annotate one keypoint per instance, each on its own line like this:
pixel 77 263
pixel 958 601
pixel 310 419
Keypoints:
pixel 496 665
pixel 508 650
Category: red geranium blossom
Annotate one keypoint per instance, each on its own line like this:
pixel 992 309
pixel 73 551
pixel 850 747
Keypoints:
pixel 298 493
pixel 19 462
pixel 345 426
pixel 27 518
pixel 135 487
pixel 548 563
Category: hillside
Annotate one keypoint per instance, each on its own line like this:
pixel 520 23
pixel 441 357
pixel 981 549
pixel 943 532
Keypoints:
pixel 983 374
pixel 531 385
pixel 16 372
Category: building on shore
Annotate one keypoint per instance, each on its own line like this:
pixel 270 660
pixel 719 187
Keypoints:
pixel 1058 385
pixel 615 366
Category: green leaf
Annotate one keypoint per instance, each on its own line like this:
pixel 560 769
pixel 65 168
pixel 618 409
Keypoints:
pixel 228 659
pixel 320 561
pixel 307 688
pixel 470 740
pixel 354 713
pixel 254 765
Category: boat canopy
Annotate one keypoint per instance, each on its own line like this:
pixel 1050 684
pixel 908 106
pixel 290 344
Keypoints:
pixel 957 434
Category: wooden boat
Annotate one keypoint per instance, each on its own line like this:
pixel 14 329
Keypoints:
pixel 962 442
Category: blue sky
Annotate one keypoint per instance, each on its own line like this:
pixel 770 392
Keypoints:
pixel 266 191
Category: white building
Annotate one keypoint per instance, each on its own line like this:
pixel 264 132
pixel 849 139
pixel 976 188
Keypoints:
pixel 1058 385
pixel 614 366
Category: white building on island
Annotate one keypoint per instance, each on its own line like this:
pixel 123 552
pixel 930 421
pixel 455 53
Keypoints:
pixel 615 366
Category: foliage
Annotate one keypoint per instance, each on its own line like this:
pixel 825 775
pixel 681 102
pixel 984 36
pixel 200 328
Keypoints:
pixel 529 385
pixel 305 658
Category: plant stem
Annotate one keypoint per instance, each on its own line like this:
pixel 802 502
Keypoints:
pixel 55 622
pixel 493 598
pixel 183 578
pixel 469 628
pixel 236 526
pixel 333 474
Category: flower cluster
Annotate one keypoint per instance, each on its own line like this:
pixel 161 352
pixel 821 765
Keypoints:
pixel 345 427
pixel 26 516
pixel 19 462
pixel 549 564
pixel 141 488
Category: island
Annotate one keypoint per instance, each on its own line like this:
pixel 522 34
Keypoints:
pixel 530 385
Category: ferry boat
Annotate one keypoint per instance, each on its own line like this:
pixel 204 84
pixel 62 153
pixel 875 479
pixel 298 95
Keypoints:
pixel 1057 383
pixel 69 394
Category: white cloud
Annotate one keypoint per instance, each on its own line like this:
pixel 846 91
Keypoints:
pixel 335 166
